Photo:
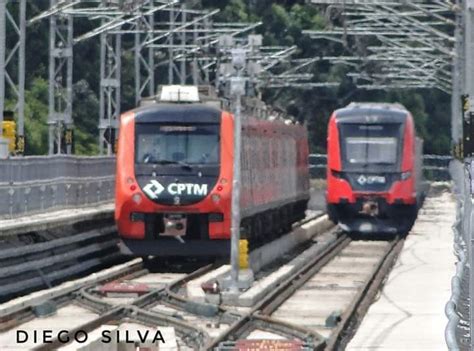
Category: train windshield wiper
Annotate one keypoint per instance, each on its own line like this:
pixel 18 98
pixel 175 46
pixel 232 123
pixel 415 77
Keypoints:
pixel 170 162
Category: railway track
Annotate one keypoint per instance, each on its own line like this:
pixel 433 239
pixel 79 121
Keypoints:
pixel 323 302
pixel 120 306
pixel 165 304
pixel 36 261
pixel 91 305
pixel 108 301
pixel 343 278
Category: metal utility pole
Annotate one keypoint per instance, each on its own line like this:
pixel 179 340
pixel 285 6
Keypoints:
pixel 3 142
pixel 469 49
pixel 458 79
pixel 144 57
pixel 237 89
pixel 60 80
pixel 110 69
pixel 21 78
pixel 469 90
pixel 171 63
pixel 12 75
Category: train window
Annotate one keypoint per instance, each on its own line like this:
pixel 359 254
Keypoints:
pixel 375 144
pixel 371 150
pixel 168 144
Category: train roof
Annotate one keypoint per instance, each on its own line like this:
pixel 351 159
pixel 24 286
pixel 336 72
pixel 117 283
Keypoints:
pixel 367 112
pixel 378 105
pixel 177 113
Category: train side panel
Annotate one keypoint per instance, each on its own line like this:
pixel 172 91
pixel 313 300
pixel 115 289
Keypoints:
pixel 275 176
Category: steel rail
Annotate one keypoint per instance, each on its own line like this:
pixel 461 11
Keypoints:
pixel 14 252
pixel 86 297
pixel 57 275
pixel 192 335
pixel 167 291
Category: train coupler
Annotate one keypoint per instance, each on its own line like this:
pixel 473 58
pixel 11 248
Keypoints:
pixel 370 208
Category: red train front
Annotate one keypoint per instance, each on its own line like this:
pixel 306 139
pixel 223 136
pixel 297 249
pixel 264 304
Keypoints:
pixel 374 168
pixel 174 178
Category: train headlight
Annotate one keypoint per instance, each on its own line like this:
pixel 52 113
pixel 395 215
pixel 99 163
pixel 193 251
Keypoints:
pixel 216 198
pixel 137 198
pixel 405 175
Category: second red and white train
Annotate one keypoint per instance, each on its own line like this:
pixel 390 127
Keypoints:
pixel 374 168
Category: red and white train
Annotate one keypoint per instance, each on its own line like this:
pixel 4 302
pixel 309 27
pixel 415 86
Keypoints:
pixel 174 177
pixel 374 168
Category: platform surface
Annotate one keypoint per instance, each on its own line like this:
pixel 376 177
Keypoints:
pixel 409 313
pixel 47 220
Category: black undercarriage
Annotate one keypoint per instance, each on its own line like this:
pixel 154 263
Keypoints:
pixel 373 216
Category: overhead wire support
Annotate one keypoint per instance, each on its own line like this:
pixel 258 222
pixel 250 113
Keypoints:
pixel 118 22
pixel 111 18
pixel 185 38
pixel 53 10
pixel 398 27
pixel 60 81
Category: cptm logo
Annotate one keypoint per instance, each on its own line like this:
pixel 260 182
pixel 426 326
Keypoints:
pixel 154 189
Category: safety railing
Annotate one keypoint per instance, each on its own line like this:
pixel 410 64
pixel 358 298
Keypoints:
pixel 457 332
pixel 435 167
pixel 37 184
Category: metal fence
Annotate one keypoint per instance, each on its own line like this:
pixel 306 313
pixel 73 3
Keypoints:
pixel 457 309
pixel 435 167
pixel 40 183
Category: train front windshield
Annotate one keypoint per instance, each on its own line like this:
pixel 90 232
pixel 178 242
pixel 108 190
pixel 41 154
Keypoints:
pixel 375 145
pixel 189 144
